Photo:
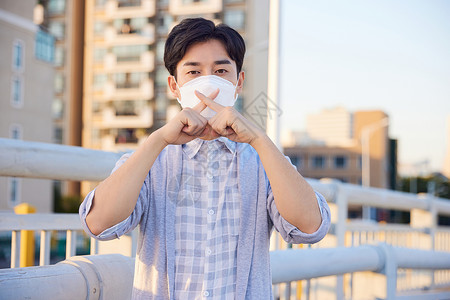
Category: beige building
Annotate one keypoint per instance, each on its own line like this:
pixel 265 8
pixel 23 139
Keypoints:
pixel 446 166
pixel 26 57
pixel 367 157
pixel 125 94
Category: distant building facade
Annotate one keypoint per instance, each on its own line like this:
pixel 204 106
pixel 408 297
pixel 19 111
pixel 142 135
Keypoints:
pixel 355 148
pixel 26 58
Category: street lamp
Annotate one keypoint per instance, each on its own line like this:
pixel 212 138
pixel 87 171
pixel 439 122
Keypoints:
pixel 366 132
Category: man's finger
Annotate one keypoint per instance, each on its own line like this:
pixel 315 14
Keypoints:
pixel 201 106
pixel 211 104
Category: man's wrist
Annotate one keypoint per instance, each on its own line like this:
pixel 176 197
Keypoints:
pixel 157 139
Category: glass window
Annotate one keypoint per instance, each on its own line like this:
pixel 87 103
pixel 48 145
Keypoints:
pixel 58 135
pixel 59 83
pixel 99 81
pixel 318 162
pixel 14 186
pixel 126 3
pixel 234 19
pixel 99 55
pixel 15 132
pixel 56 6
pixel 59 56
pixel 99 28
pixel 340 161
pixel 57 108
pixel 161 77
pixel 57 28
pixel 100 3
pixel 160 51
pixel 129 53
pixel 18 55
pixel 45 46
pixel 17 91
pixel 164 24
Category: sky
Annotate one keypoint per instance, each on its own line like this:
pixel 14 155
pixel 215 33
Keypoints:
pixel 392 55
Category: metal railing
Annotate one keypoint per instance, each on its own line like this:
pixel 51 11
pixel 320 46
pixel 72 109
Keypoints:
pixel 346 251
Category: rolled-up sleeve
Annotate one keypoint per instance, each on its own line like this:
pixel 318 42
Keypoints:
pixel 126 225
pixel 289 232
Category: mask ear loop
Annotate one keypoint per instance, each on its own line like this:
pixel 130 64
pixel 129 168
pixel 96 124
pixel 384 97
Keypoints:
pixel 235 87
pixel 179 101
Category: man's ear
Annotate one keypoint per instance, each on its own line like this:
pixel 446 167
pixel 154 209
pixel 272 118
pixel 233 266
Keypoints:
pixel 173 86
pixel 240 83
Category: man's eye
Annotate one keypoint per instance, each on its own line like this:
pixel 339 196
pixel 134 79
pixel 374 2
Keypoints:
pixel 221 71
pixel 193 72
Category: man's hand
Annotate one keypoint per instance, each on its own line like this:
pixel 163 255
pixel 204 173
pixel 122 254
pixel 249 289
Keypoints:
pixel 230 123
pixel 187 125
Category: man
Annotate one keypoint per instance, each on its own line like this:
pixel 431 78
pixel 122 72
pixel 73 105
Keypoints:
pixel 207 188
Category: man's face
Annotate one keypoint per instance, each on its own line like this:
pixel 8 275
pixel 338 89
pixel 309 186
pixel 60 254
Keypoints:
pixel 207 58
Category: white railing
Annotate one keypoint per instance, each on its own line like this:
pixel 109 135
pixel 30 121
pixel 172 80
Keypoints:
pixel 18 158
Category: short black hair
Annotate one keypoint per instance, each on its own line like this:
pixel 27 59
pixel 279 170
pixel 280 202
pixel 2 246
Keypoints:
pixel 196 30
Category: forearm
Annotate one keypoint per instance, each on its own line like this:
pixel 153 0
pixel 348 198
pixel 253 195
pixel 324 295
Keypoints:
pixel 294 197
pixel 115 197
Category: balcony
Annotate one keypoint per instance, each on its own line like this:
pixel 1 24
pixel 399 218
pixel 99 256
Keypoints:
pixel 129 9
pixel 141 90
pixel 108 118
pixel 144 36
pixel 120 144
pixel 180 7
pixel 143 63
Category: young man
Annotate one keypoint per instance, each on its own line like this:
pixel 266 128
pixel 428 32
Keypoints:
pixel 207 188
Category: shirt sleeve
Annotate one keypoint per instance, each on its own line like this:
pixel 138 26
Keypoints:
pixel 126 225
pixel 289 232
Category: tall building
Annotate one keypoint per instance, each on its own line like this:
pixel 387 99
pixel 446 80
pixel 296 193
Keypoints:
pixel 367 156
pixel 64 19
pixel 125 94
pixel 26 72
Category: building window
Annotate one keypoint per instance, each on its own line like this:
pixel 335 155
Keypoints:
pixel 57 29
pixel 44 47
pixel 129 53
pixel 318 162
pixel 59 56
pixel 234 19
pixel 99 81
pixel 99 55
pixel 57 108
pixel 56 6
pixel 59 83
pixel 18 50
pixel 340 162
pixel 99 28
pixel 17 91
pixel 58 135
pixel 13 191
pixel 15 132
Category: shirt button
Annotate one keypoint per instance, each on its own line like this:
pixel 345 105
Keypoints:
pixel 209 175
pixel 206 293
pixel 211 212
pixel 208 251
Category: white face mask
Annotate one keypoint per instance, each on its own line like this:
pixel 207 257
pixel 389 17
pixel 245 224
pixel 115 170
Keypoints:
pixel 206 85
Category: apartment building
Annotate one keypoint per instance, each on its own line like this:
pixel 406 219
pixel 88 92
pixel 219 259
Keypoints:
pixel 26 72
pixel 125 93
pixel 125 82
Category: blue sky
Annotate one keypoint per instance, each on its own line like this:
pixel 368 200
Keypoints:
pixel 392 55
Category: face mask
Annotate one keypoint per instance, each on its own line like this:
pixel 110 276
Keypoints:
pixel 206 85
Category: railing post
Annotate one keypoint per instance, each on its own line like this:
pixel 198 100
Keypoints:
pixel 389 270
pixel 44 253
pixel 71 238
pixel 342 205
pixel 15 248
pixel 27 237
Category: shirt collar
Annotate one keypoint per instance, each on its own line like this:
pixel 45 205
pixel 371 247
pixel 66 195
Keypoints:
pixel 191 148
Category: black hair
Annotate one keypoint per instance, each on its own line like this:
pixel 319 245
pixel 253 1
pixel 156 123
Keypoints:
pixel 196 30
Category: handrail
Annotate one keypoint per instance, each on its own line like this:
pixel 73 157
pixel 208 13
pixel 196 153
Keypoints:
pixel 110 276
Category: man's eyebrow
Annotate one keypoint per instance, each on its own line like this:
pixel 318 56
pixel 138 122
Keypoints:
pixel 222 62
pixel 191 63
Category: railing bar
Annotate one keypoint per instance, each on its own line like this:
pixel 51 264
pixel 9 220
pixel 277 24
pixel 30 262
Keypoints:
pixel 15 248
pixel 44 252
pixel 71 244
pixel 94 246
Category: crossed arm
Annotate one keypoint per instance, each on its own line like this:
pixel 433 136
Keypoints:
pixel 115 197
